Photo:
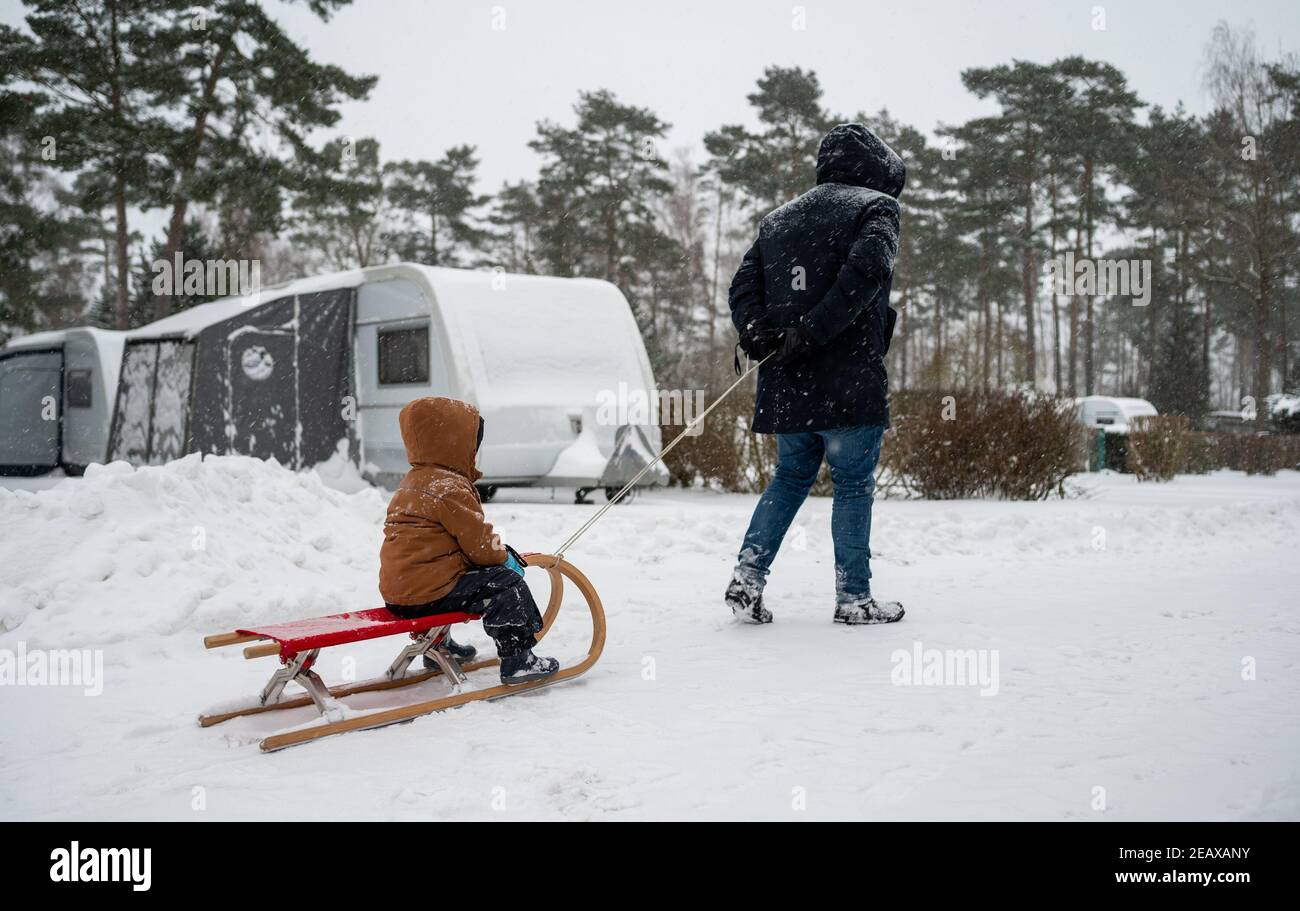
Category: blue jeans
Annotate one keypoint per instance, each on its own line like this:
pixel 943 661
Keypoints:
pixel 852 453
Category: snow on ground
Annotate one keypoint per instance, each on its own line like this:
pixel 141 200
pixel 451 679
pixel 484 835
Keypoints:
pixel 1120 620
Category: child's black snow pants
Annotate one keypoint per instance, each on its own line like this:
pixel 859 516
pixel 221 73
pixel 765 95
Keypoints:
pixel 500 596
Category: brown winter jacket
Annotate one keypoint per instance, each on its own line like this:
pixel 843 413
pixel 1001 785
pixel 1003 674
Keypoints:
pixel 435 528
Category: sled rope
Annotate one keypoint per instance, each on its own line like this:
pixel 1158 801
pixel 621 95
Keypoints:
pixel 659 458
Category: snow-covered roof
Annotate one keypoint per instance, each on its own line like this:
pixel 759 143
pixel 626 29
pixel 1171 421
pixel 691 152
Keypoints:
pixel 38 339
pixel 194 320
pixel 1129 407
pixel 541 339
pixel 584 322
pixel 108 342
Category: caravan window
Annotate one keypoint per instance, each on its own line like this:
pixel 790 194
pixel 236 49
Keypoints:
pixel 77 393
pixel 403 356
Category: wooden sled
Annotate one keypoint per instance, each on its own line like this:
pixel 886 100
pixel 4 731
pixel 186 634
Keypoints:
pixel 298 644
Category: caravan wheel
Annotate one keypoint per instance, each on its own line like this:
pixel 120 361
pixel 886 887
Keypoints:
pixel 612 492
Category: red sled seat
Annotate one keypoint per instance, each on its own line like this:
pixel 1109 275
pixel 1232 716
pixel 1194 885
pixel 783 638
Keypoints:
pixel 353 626
pixel 300 642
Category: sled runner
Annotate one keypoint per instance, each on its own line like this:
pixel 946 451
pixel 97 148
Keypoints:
pixel 299 643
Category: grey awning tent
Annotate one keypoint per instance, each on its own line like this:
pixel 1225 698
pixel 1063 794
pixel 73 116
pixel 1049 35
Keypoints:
pixel 270 380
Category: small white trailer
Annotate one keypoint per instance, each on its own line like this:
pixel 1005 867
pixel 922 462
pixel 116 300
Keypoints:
pixel 293 370
pixel 1112 414
pixel 57 391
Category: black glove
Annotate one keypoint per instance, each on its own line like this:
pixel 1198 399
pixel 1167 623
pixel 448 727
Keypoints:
pixel 514 553
pixel 795 346
pixel 759 339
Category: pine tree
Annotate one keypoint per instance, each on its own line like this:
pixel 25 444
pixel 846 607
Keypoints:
pixel 982 208
pixel 516 215
pixel 1030 97
pixel 341 203
pixel 233 79
pixel 777 164
pixel 1097 124
pixel 595 189
pixel 1179 382
pixel 443 193
pixel 92 64
pixel 44 239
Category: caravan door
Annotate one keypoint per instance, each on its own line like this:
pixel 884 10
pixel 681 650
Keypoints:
pixel 264 396
pixel 31 405
pixel 400 356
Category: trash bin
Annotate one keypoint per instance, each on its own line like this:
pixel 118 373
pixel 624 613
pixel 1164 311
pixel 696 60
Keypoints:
pixel 1098 461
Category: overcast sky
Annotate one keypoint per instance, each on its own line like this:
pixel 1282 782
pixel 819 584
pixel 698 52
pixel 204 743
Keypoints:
pixel 447 76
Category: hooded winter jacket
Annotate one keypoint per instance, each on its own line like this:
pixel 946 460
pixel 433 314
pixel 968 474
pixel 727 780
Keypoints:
pixel 825 262
pixel 435 528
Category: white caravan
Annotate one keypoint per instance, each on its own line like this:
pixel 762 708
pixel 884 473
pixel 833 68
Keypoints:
pixel 537 355
pixel 1112 414
pixel 540 357
pixel 56 399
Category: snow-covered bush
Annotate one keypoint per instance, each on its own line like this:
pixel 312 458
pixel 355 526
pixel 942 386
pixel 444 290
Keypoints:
pixel 1157 447
pixel 1284 412
pixel 726 454
pixel 976 443
pixel 1201 453
pixel 1257 453
pixel 1253 453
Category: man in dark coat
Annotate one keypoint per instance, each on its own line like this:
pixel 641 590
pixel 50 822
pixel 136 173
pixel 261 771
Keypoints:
pixel 813 292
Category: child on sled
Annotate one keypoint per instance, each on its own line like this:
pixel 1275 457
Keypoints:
pixel 440 555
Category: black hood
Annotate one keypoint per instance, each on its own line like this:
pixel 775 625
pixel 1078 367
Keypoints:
pixel 852 154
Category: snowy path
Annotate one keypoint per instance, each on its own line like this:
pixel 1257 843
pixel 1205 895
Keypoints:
pixel 1119 668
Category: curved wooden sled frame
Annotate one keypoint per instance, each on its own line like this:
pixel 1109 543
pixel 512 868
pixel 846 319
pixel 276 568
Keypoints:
pixel 556 567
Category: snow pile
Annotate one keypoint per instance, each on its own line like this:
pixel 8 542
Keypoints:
pixel 195 546
pixel 340 473
pixel 1284 406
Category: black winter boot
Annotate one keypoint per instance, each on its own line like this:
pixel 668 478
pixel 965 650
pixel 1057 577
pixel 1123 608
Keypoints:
pixel 745 598
pixel 461 653
pixel 868 610
pixel 526 666
pixel 518 663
